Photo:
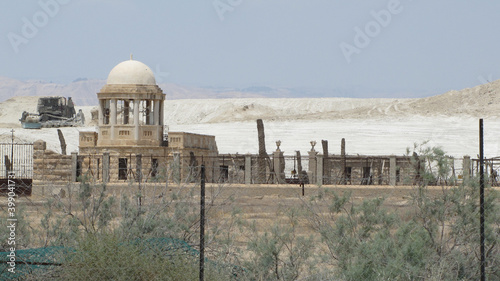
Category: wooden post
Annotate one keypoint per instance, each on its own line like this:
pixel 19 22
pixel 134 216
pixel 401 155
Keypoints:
pixel 202 224
pixel 62 142
pixel 481 201
pixel 261 160
pixel 326 162
pixel 343 162
pixel 301 176
pixel 379 171
pixel 299 163
pixel 138 167
pixel 7 166
pixel 138 172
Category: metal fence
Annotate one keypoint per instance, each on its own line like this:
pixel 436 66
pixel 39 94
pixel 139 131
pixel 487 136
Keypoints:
pixel 491 169
pixel 17 158
pixel 252 169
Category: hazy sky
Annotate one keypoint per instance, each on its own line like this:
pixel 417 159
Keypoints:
pixel 387 47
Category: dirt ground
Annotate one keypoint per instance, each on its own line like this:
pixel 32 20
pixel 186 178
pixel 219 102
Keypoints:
pixel 259 203
pixel 254 200
pixel 251 198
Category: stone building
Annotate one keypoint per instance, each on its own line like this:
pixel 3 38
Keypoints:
pixel 132 142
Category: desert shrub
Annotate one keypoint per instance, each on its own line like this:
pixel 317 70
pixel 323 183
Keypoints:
pixel 98 227
pixel 437 240
pixel 23 232
pixel 108 257
pixel 280 253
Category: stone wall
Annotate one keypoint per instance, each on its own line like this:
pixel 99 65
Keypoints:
pixel 174 161
pixel 92 164
pixel 50 166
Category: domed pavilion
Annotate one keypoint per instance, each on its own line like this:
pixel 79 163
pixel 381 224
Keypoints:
pixel 131 141
pixel 131 107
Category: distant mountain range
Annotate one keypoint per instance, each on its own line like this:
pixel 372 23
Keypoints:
pixel 83 91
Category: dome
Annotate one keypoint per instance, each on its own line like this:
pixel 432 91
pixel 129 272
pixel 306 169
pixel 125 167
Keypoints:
pixel 131 72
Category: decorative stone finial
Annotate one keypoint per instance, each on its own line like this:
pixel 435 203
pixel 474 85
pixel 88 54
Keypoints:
pixel 313 143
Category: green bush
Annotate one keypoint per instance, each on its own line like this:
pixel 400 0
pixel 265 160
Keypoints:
pixel 107 257
pixel 437 240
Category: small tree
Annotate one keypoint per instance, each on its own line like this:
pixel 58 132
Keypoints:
pixel 281 253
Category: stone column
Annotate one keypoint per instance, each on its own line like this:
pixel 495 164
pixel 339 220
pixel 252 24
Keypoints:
pixel 392 170
pixel 279 170
pixel 74 165
pixel 466 168
pixel 126 112
pixel 136 119
pixel 112 113
pixel 319 169
pixel 162 108
pixel 161 128
pixel 156 112
pixel 101 113
pixel 248 169
pixel 148 112
pixel 105 167
pixel 176 169
pixel 312 166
